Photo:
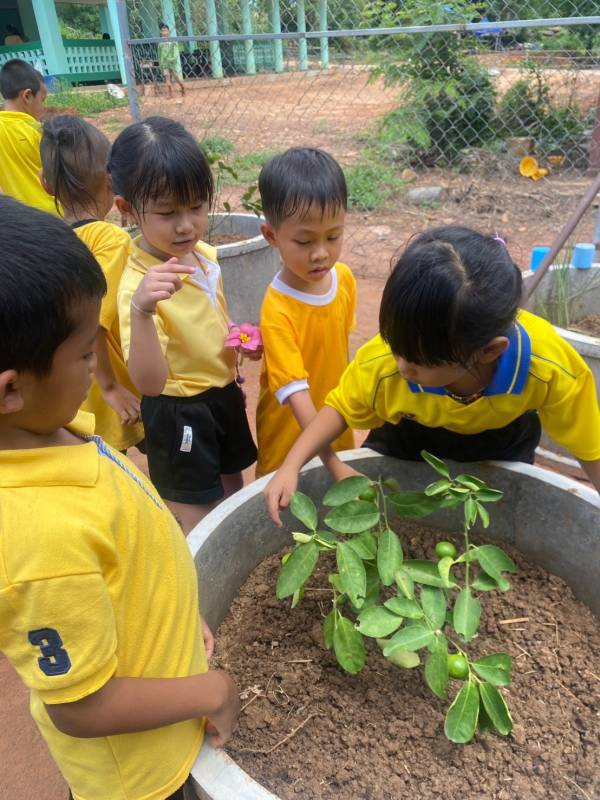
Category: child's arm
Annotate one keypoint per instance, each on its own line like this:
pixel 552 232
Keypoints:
pixel 147 364
pixel 304 411
pixel 130 705
pixel 120 399
pixel 592 470
pixel 326 426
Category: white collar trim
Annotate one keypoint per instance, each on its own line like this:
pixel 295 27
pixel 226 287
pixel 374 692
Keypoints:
pixel 305 297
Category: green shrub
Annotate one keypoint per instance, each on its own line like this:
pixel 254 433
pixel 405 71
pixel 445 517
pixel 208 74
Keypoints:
pixel 217 145
pixel 85 103
pixel 370 185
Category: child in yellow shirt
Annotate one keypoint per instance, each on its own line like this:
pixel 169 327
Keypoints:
pixel 309 308
pixel 98 592
pixel 74 156
pixel 24 94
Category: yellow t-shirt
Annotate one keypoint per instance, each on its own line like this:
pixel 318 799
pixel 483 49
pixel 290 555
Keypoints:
pixel 110 246
pixel 305 347
pixel 192 325
pixel 538 372
pixel 96 581
pixel 20 160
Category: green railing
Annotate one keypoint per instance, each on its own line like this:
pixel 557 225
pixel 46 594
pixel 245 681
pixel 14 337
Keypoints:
pixel 88 60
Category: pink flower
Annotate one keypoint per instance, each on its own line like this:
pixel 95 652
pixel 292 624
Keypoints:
pixel 245 336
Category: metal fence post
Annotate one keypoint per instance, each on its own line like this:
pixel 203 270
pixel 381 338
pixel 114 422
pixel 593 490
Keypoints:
pixel 248 43
pixel 213 30
pixel 124 37
pixel 323 26
pixel 276 26
pixel 302 43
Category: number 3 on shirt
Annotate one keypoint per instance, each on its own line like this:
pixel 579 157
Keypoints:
pixel 54 659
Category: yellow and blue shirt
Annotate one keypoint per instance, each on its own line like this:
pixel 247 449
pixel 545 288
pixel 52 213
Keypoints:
pixel 96 582
pixel 539 371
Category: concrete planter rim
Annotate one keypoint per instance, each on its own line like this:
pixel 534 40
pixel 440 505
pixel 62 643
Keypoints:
pixel 245 245
pixel 215 774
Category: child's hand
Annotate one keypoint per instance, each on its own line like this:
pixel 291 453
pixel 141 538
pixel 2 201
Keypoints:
pixel 123 402
pixel 253 355
pixel 159 283
pixel 279 491
pixel 209 640
pixel 339 470
pixel 221 724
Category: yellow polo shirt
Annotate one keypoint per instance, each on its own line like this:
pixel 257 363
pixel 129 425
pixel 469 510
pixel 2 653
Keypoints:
pixel 305 339
pixel 110 246
pixel 538 372
pixel 20 160
pixel 96 581
pixel 192 325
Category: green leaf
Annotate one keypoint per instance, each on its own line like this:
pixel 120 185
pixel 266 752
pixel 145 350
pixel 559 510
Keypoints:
pixel 496 708
pixel 389 556
pixel 470 512
pixel 298 596
pixel 434 605
pixel 436 673
pixel 471 482
pixel 297 569
pixel 334 580
pixel 303 508
pixel 483 515
pixel 353 517
pixel 414 504
pixel 439 487
pixel 404 607
pixel 326 539
pixel 425 572
pixel 495 561
pixel 484 583
pixel 444 566
pixel 405 659
pixel 373 585
pixel 489 495
pixel 461 719
pixel 349 646
pixel 302 538
pixel 495 669
pixel 467 613
pixel 437 464
pixel 346 490
pixel 364 545
pixel 405 582
pixel 328 628
pixel 412 637
pixel 484 723
pixel 353 577
pixel 377 621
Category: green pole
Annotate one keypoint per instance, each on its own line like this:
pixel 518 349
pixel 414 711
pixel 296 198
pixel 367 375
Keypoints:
pixel 112 23
pixel 52 43
pixel 189 28
pixel 248 43
pixel 213 30
pixel 278 43
pixel 302 43
pixel 323 26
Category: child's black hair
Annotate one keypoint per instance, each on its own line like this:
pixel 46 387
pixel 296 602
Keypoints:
pixel 162 25
pixel 158 158
pixel 45 272
pixel 292 182
pixel 74 161
pixel 451 292
pixel 16 76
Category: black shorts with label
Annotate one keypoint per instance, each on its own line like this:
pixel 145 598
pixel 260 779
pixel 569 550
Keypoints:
pixel 192 441
pixel 514 442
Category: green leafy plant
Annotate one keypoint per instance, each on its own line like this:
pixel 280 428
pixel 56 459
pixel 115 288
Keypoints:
pixel 407 605
pixel 225 172
pixel 371 184
pixel 85 103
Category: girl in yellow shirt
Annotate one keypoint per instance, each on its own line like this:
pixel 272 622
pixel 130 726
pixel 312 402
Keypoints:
pixel 74 156
pixel 309 308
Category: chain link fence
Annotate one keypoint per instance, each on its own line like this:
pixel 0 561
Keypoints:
pixel 481 113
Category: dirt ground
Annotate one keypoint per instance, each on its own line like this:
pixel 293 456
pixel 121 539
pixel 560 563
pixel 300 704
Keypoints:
pixel 329 111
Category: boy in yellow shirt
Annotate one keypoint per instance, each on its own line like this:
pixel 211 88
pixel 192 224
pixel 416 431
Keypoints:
pixel 457 369
pixel 309 308
pixel 24 94
pixel 98 592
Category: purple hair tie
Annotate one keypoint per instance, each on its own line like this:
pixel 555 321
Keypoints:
pixel 498 238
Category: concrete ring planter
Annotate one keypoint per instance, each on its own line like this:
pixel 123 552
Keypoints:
pixel 542 509
pixel 247 266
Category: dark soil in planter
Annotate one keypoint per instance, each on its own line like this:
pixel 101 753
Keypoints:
pixel 224 238
pixel 379 735
pixel 589 325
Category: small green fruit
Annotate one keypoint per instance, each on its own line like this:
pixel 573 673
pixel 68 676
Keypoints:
pixel 458 666
pixel 445 550
pixel 369 495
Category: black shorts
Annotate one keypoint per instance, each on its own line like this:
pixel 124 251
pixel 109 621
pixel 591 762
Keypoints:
pixel 192 441
pixel 515 442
